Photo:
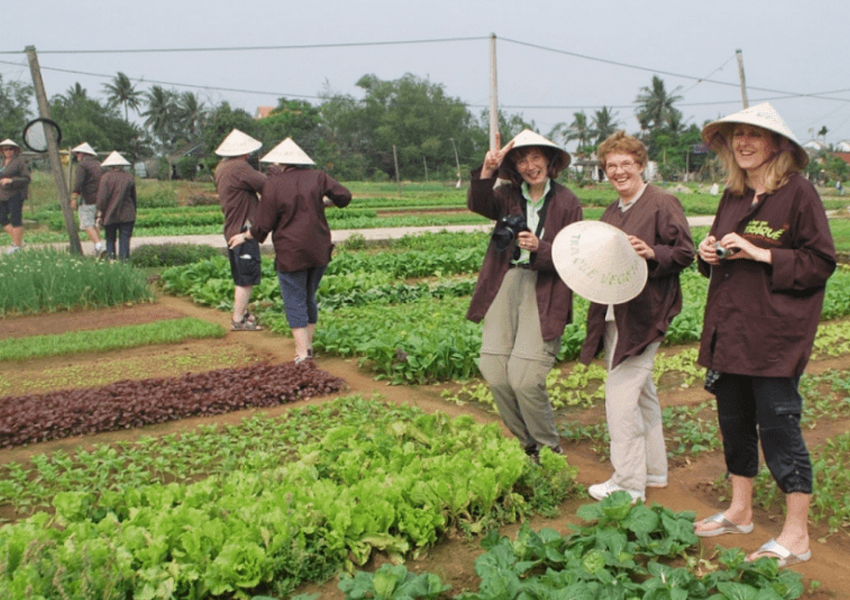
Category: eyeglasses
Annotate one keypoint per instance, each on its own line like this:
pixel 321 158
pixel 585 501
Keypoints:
pixel 626 165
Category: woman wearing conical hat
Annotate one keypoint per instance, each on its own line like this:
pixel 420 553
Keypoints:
pixel 293 212
pixel 519 296
pixel 86 182
pixel 769 254
pixel 14 186
pixel 116 203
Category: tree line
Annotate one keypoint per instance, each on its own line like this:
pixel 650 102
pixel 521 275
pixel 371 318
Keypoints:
pixel 409 121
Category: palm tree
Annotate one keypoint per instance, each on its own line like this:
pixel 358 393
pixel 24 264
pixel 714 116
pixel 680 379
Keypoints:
pixel 75 94
pixel 655 109
pixel 578 130
pixel 161 112
pixel 192 113
pixel 603 124
pixel 122 91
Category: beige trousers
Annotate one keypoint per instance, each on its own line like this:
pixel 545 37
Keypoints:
pixel 634 417
pixel 515 361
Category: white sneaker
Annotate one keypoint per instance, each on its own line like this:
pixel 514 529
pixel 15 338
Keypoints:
pixel 100 250
pixel 12 249
pixel 656 481
pixel 600 491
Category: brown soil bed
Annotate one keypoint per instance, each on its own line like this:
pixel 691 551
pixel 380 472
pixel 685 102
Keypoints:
pixel 692 482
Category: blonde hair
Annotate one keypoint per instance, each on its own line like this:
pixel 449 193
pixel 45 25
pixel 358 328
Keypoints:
pixel 779 169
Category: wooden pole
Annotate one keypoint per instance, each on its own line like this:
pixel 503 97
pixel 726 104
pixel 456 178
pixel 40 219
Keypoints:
pixel 742 78
pixel 397 178
pixel 53 155
pixel 494 94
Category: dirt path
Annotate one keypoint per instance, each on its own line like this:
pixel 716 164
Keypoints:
pixel 691 483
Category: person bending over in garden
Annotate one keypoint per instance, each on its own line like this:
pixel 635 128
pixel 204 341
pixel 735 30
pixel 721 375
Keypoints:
pixel 768 255
pixel 631 332
pixel 14 187
pixel 116 203
pixel 238 184
pixel 522 302
pixel 86 181
pixel 293 211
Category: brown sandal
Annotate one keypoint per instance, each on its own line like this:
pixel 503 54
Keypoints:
pixel 248 323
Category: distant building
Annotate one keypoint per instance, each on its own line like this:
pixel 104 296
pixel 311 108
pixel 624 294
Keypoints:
pixel 263 112
pixel 843 146
pixel 814 146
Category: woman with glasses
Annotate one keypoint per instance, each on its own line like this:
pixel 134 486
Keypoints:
pixel 630 333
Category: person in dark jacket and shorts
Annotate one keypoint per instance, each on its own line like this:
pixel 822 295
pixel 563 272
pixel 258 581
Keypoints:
pixel 768 256
pixel 522 302
pixel 86 182
pixel 238 185
pixel 14 187
pixel 293 212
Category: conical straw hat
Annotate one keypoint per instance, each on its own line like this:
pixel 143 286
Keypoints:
pixel 526 137
pixel 8 142
pixel 85 149
pixel 115 160
pixel 597 262
pixel 287 153
pixel 238 143
pixel 719 133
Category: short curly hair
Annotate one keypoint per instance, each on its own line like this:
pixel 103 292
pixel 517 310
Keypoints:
pixel 620 143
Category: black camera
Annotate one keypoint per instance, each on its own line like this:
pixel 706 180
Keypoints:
pixel 507 229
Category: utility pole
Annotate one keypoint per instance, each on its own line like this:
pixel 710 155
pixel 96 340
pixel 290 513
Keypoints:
pixel 742 78
pixel 494 94
pixel 53 154
pixel 397 178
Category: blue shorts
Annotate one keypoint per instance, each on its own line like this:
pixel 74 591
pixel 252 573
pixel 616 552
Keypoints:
pixel 298 289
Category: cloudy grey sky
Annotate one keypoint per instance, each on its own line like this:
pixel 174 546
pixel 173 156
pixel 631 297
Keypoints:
pixel 554 58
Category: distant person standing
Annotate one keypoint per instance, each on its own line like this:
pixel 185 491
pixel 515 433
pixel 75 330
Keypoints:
pixel 293 211
pixel 14 188
pixel 86 181
pixel 238 185
pixel 116 203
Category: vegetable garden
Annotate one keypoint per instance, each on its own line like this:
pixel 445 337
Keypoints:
pixel 387 475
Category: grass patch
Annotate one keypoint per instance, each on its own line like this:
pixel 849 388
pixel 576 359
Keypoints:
pixel 110 338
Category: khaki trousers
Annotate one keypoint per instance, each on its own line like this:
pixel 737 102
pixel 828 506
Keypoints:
pixel 634 417
pixel 515 361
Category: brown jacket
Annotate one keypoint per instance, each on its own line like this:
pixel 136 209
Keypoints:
pixel 293 211
pixel 554 298
pixel 87 179
pixel 658 219
pixel 237 184
pixel 17 171
pixel 116 197
pixel 761 319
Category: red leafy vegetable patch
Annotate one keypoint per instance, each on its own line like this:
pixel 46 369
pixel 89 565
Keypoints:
pixel 129 404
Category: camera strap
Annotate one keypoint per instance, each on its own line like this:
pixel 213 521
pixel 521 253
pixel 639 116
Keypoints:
pixel 542 212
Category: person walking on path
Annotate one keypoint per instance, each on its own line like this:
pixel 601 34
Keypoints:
pixel 238 185
pixel 86 182
pixel 116 203
pixel 293 212
pixel 768 255
pixel 14 188
pixel 631 332
pixel 522 302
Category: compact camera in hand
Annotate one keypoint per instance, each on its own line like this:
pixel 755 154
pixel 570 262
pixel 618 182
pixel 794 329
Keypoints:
pixel 724 253
pixel 507 229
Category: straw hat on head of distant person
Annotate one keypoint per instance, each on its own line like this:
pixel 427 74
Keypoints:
pixel 717 135
pixel 597 261
pixel 237 143
pixel 287 153
pixel 115 160
pixel 7 143
pixel 84 148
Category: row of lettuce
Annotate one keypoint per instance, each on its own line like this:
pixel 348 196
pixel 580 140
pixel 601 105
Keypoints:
pixel 427 281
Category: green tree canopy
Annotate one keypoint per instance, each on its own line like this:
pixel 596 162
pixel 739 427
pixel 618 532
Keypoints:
pixel 15 99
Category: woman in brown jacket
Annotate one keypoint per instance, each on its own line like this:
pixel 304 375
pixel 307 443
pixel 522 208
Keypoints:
pixel 116 203
pixel 14 184
pixel 519 296
pixel 769 254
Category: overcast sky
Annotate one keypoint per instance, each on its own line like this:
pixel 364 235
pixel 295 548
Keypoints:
pixel 554 58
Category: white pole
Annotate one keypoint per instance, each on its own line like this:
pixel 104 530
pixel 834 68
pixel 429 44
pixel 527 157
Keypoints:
pixel 494 94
